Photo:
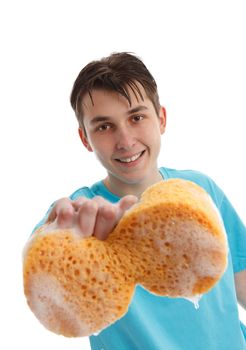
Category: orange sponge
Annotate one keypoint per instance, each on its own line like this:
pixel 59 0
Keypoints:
pixel 172 242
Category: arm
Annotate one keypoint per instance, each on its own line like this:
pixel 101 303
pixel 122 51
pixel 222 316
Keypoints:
pixel 240 283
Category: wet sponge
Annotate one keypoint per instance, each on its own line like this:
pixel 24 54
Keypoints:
pixel 172 242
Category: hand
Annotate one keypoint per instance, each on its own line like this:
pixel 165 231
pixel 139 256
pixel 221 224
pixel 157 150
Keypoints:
pixel 90 217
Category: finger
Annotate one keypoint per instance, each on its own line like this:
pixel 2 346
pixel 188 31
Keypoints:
pixel 125 203
pixel 100 201
pixel 106 221
pixel 109 215
pixel 78 202
pixel 62 213
pixel 59 205
pixel 87 217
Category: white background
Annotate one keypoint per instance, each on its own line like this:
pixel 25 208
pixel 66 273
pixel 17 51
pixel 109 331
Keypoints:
pixel 196 52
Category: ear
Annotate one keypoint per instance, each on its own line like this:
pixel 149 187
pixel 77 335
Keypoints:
pixel 84 139
pixel 162 119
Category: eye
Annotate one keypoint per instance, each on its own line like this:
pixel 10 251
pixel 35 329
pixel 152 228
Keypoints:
pixel 103 127
pixel 137 118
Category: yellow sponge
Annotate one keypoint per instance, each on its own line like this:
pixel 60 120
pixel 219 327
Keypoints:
pixel 172 242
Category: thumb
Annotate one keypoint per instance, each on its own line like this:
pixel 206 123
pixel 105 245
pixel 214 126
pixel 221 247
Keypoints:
pixel 126 203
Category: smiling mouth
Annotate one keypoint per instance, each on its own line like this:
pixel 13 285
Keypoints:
pixel 130 159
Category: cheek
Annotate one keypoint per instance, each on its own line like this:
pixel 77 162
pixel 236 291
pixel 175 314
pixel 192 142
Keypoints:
pixel 151 135
pixel 153 140
pixel 102 147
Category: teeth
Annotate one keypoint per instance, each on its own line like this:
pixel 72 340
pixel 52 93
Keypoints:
pixel 128 160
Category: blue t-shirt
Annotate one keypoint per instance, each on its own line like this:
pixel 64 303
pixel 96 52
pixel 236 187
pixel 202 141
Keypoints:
pixel 161 323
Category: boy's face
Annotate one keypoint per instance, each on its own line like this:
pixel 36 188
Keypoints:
pixel 126 139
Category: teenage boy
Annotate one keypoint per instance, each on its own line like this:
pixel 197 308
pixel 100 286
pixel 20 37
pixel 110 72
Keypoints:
pixel 121 120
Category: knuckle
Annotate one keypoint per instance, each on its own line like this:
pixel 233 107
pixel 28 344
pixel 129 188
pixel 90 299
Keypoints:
pixel 62 200
pixel 66 211
pixel 79 200
pixel 61 204
pixel 99 200
pixel 108 212
pixel 90 206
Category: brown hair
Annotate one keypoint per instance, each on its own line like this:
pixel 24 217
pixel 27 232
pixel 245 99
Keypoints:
pixel 118 72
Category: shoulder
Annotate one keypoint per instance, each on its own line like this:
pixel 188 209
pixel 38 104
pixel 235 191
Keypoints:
pixel 187 174
pixel 201 179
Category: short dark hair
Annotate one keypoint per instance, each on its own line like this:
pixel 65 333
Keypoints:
pixel 118 72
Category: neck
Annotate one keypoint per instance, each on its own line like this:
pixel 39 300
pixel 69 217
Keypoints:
pixel 121 188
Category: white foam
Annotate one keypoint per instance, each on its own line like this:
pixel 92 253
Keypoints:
pixel 194 300
pixel 192 246
pixel 46 295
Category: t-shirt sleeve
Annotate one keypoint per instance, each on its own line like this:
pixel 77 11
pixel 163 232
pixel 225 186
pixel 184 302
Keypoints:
pixel 235 228
pixel 41 222
pixel 236 232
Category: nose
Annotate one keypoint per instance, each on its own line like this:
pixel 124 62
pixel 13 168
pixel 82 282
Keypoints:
pixel 125 139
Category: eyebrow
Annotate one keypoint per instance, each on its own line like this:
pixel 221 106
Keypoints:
pixel 104 118
pixel 137 109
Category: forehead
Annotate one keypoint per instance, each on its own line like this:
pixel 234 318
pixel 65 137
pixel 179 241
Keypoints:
pixel 103 98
